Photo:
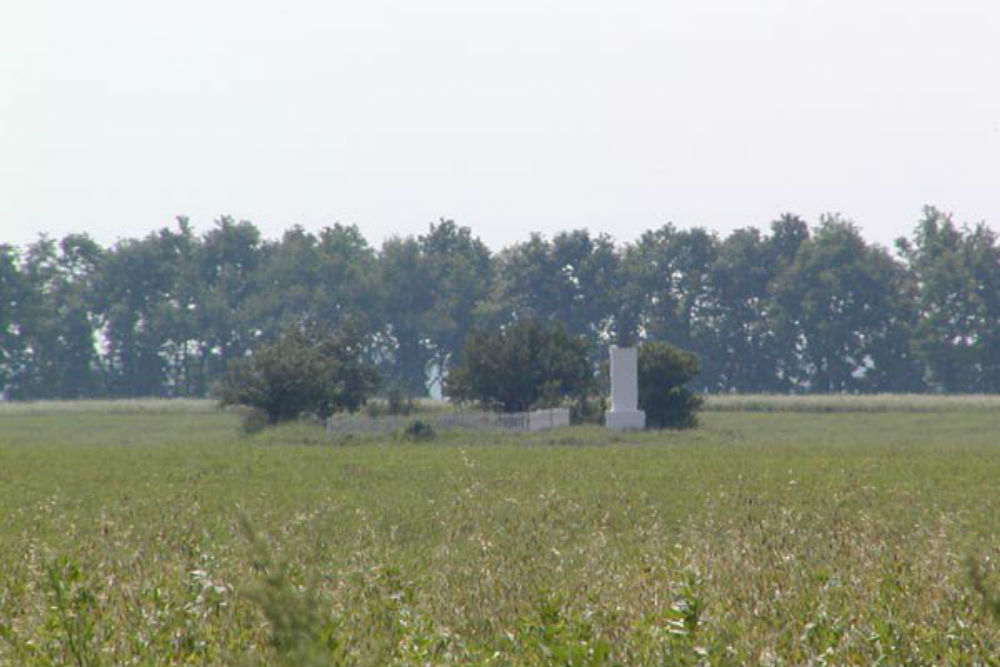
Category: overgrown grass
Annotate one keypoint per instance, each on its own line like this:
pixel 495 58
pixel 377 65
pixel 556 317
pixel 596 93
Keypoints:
pixel 760 538
pixel 851 403
pixel 176 406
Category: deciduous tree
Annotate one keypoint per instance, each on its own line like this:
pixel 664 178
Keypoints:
pixel 526 364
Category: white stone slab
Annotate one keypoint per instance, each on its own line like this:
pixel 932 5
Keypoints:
pixel 625 412
pixel 625 420
pixel 624 379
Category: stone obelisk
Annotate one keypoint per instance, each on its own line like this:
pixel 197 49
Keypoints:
pixel 625 412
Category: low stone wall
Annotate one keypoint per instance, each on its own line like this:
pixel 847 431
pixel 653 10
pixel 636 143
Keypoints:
pixel 537 420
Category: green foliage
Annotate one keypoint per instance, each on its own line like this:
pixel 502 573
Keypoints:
pixel 48 304
pixel 663 372
pixel 73 613
pixel 784 309
pixel 841 310
pixel 741 279
pixel 570 280
pixel 460 269
pixel 302 632
pixel 560 639
pixel 430 288
pixel 990 595
pixel 138 301
pixel 524 365
pixel 305 370
pixel 957 334
pixel 419 430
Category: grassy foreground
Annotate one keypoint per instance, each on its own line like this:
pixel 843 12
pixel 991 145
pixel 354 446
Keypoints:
pixel 146 536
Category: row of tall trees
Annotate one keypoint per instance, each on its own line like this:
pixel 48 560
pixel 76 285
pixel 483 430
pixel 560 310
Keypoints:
pixel 790 308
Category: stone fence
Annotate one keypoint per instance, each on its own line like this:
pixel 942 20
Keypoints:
pixel 536 420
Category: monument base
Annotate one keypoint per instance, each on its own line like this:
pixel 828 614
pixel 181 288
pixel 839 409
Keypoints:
pixel 625 420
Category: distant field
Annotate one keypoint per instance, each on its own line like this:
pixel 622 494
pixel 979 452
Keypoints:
pixel 155 533
pixel 852 403
pixel 713 403
pixel 111 407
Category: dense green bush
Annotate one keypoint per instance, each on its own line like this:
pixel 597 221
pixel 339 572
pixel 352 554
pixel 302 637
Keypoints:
pixel 522 366
pixel 307 370
pixel 418 430
pixel 663 372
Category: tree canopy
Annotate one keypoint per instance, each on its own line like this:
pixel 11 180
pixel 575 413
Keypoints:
pixel 307 369
pixel 524 365
pixel 785 307
pixel 664 370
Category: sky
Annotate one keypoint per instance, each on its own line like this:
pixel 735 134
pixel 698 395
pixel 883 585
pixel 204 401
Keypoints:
pixel 509 117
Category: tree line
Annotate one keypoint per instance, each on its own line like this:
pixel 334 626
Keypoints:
pixel 788 308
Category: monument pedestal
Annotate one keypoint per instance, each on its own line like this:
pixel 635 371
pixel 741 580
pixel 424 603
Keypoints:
pixel 625 413
pixel 625 420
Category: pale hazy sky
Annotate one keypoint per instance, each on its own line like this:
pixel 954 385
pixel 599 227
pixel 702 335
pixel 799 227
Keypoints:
pixel 510 117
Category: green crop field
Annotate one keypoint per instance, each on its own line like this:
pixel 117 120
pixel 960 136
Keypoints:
pixel 150 533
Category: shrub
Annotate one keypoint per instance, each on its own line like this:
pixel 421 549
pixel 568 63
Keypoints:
pixel 521 366
pixel 419 430
pixel 306 370
pixel 663 372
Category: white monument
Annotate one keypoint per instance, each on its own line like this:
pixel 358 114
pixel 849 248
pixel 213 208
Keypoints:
pixel 625 412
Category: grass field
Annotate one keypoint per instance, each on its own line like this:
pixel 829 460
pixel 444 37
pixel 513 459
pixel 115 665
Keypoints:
pixel 157 534
pixel 852 403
